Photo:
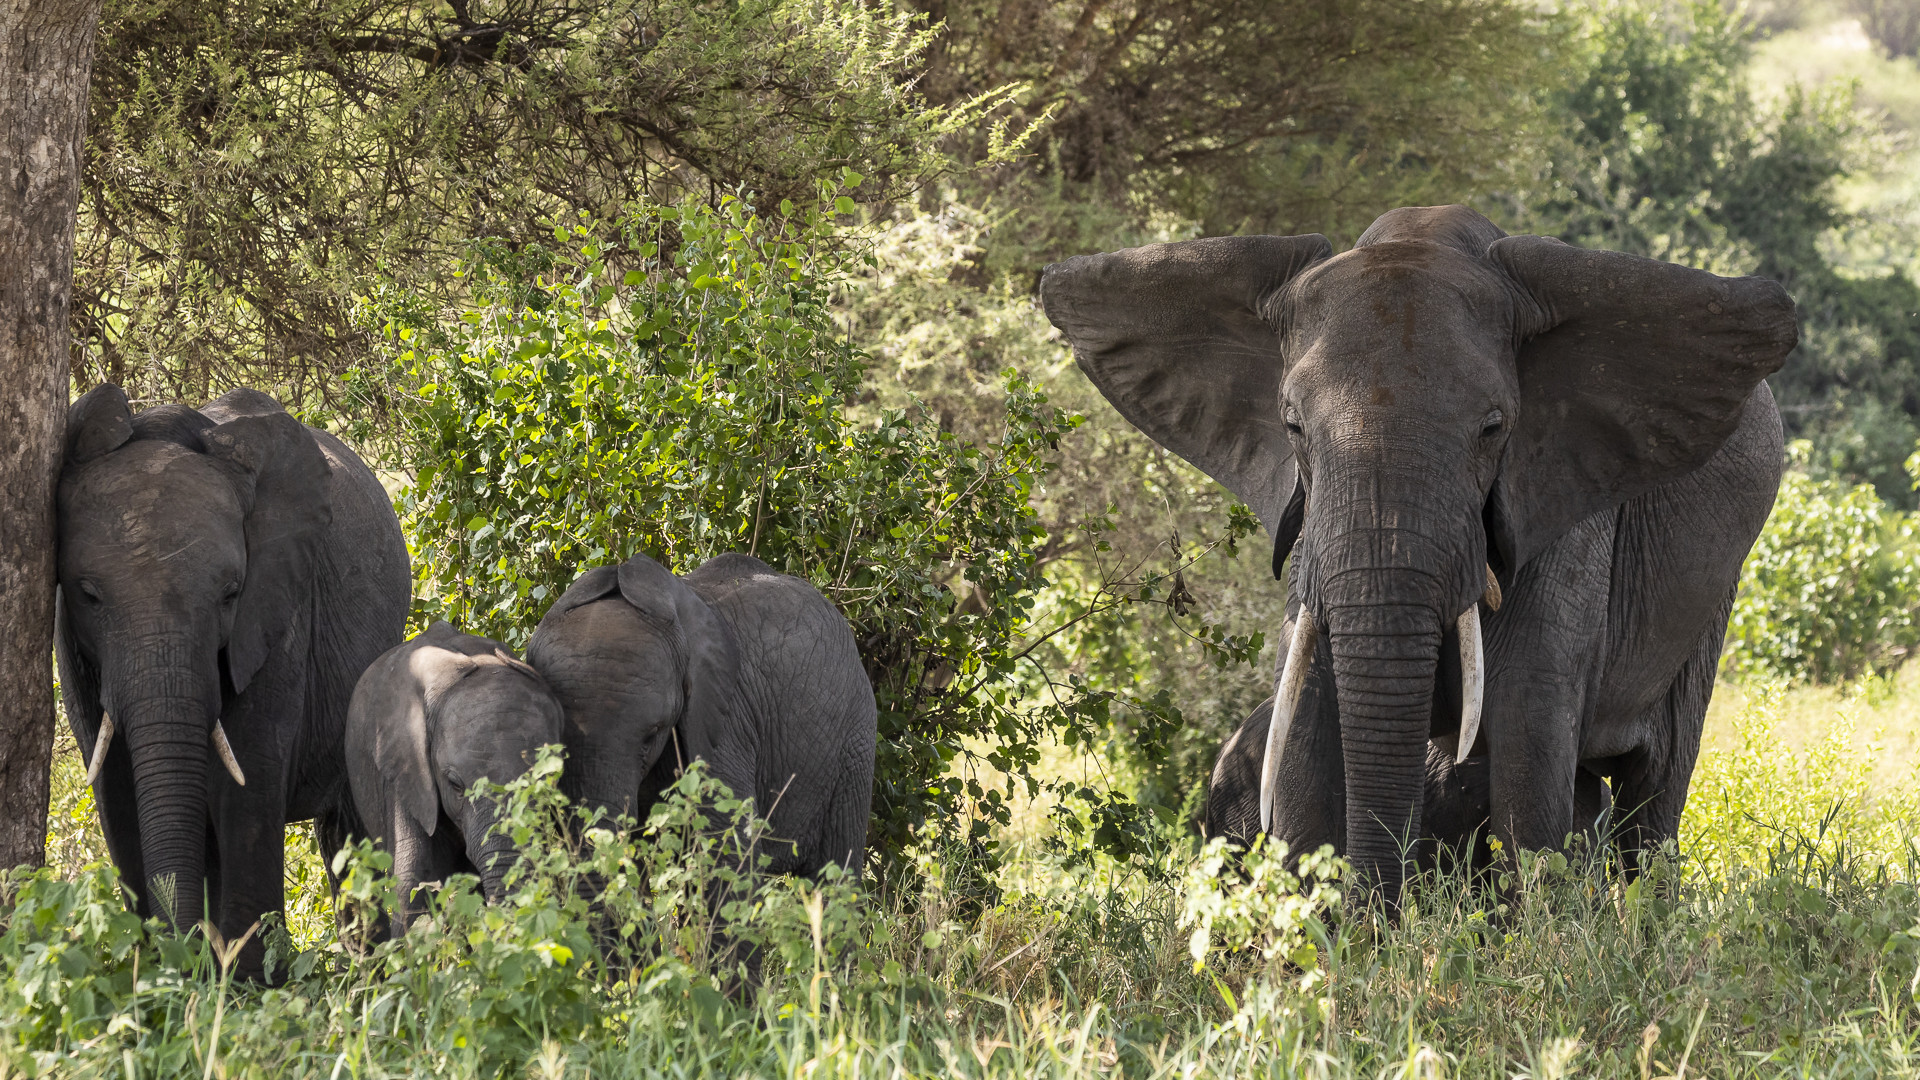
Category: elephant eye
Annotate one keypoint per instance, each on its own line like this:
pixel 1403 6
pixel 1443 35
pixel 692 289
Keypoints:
pixel 1292 419
pixel 88 590
pixel 1492 424
pixel 231 593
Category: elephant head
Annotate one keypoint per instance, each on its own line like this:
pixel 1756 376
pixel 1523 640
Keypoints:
pixel 647 674
pixel 1415 419
pixel 448 709
pixel 186 553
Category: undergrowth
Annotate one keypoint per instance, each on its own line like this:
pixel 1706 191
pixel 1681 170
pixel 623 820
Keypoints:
pixel 1786 942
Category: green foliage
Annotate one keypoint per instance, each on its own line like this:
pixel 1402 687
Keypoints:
pixel 1830 589
pixel 1755 808
pixel 683 391
pixel 1274 905
pixel 252 163
pixel 1672 154
pixel 1244 116
pixel 1793 958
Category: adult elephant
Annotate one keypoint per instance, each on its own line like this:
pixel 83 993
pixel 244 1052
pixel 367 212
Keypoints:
pixel 1439 418
pixel 225 576
pixel 751 670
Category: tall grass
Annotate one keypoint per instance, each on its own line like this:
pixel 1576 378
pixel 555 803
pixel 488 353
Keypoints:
pixel 1785 942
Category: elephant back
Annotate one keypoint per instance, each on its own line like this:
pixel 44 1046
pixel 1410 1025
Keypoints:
pixel 808 692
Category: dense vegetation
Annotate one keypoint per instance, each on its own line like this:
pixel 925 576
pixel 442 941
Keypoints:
pixel 679 276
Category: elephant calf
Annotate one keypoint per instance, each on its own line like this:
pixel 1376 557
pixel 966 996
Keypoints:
pixel 428 719
pixel 749 669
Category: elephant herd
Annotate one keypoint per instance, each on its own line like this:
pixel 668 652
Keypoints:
pixel 233 591
pixel 1510 483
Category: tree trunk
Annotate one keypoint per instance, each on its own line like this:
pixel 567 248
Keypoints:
pixel 46 57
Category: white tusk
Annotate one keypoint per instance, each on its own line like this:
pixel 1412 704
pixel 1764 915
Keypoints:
pixel 1286 698
pixel 225 751
pixel 1473 679
pixel 100 744
pixel 1492 596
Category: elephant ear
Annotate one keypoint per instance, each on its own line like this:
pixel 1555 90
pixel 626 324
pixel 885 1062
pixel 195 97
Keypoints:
pixel 98 423
pixel 1181 338
pixel 1632 373
pixel 405 700
pixel 713 724
pixel 601 581
pixel 79 679
pixel 289 510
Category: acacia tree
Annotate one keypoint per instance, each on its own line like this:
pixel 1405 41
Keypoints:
pixel 46 55
pixel 256 164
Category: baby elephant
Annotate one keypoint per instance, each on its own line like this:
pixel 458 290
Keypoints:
pixel 428 719
pixel 751 670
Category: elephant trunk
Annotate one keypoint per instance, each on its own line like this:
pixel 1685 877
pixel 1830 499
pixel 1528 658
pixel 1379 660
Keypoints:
pixel 167 739
pixel 492 852
pixel 164 706
pixel 1385 659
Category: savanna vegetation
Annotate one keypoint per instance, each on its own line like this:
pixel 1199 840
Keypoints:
pixel 679 277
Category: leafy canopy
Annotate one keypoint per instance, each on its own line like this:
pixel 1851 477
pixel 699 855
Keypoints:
pixel 252 163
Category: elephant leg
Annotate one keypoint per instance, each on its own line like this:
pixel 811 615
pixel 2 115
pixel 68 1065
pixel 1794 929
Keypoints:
pixel 246 863
pixel 1544 649
pixel 1651 782
pixel 1592 803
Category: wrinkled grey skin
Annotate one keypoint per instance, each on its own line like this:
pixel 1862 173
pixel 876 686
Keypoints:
pixel 747 668
pixel 233 565
pixel 1455 801
pixel 1440 399
pixel 428 719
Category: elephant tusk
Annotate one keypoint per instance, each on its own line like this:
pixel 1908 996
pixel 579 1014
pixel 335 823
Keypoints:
pixel 1473 679
pixel 1492 596
pixel 100 744
pixel 225 750
pixel 1286 698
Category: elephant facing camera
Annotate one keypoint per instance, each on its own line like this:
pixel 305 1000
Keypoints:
pixel 428 720
pixel 225 574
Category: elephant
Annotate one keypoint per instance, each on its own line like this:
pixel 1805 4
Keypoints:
pixel 751 670
pixel 427 720
pixel 224 575
pixel 1511 482
pixel 1455 799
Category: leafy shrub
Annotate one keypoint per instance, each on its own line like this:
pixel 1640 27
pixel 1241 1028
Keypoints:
pixel 1828 593
pixel 1758 806
pixel 1272 905
pixel 683 391
pixel 669 910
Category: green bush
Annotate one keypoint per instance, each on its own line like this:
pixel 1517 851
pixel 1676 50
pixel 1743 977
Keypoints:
pixel 1828 593
pixel 683 390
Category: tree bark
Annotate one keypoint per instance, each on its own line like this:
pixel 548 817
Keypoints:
pixel 46 57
